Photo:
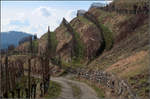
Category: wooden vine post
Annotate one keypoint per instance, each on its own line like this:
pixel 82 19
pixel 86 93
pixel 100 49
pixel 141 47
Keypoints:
pixel 1 77
pixel 29 67
pixel 6 76
pixel 29 77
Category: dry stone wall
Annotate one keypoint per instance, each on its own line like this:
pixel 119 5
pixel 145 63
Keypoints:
pixel 119 86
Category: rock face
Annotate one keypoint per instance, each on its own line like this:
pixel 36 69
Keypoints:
pixel 81 12
pixel 89 36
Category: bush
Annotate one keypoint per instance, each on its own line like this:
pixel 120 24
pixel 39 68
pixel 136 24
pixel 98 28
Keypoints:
pixel 108 37
pixel 79 48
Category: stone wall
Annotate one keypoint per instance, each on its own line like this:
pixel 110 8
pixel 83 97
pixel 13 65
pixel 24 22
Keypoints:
pixel 118 86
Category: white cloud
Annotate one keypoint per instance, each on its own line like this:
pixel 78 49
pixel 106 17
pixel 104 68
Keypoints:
pixel 36 20
pixel 70 15
pixel 44 11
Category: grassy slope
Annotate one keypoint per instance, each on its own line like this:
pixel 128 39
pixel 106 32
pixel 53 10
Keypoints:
pixel 125 58
pixel 128 4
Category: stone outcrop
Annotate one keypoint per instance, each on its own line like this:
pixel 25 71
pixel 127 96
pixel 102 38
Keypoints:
pixel 88 32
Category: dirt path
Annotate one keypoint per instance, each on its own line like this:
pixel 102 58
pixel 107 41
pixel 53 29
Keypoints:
pixel 86 91
pixel 67 93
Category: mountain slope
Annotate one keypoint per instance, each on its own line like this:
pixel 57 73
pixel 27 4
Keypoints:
pixel 124 36
pixel 129 57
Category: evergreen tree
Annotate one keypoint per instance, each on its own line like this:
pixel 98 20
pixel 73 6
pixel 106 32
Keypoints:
pixel 30 45
pixel 35 37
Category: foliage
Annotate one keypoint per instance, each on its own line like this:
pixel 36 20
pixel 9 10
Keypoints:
pixel 108 37
pixel 35 46
pixel 54 90
pixel 72 65
pixel 86 21
pixel 57 61
pixel 78 48
pixel 22 84
pixel 52 42
pixel 30 47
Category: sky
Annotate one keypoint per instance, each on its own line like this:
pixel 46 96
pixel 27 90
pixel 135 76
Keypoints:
pixel 35 16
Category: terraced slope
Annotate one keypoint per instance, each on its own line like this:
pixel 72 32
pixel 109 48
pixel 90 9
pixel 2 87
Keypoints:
pixel 128 59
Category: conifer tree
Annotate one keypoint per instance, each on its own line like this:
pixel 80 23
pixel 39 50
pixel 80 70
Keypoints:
pixel 30 45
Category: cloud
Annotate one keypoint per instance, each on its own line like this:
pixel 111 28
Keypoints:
pixel 70 15
pixel 36 20
pixel 43 11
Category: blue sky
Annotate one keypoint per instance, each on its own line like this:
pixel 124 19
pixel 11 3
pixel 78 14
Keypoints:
pixel 34 16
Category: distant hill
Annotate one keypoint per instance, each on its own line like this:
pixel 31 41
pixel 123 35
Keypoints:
pixel 12 37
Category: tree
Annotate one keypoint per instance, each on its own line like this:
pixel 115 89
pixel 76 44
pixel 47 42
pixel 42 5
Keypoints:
pixel 11 47
pixel 24 39
pixel 35 36
pixel 31 45
pixel 46 78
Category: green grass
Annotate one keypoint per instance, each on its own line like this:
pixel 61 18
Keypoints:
pixel 79 49
pixel 53 39
pixel 54 90
pixel 108 36
pixel 73 64
pixel 86 21
pixel 100 92
pixel 22 84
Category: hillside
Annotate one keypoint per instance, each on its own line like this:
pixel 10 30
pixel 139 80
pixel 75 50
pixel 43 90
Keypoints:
pixel 129 57
pixel 12 38
pixel 112 39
